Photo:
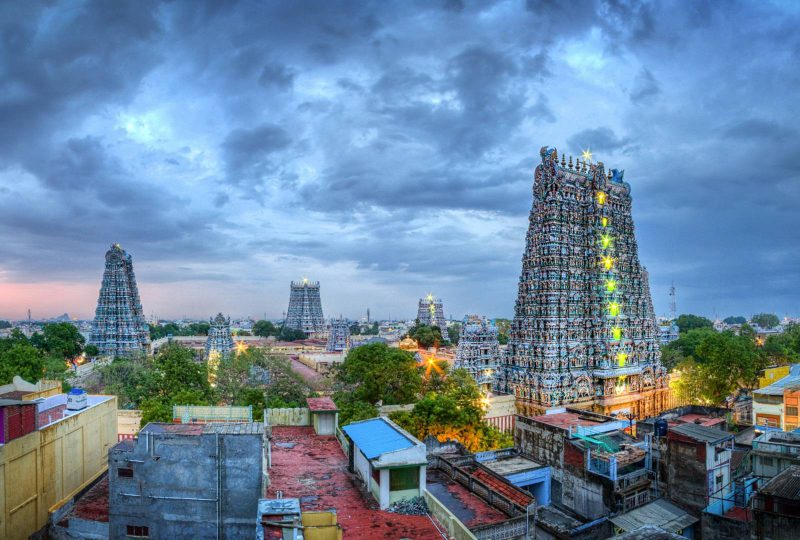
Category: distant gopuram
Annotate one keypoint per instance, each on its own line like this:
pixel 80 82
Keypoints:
pixel 584 333
pixel 219 341
pixel 431 313
pixel 305 308
pixel 119 327
pixel 338 336
pixel 478 350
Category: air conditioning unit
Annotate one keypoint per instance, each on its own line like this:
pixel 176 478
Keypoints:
pixel 77 399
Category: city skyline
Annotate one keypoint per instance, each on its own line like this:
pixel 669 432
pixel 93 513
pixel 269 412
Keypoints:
pixel 328 141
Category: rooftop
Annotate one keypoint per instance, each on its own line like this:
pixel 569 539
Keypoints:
pixel 785 485
pixel 511 465
pixel 648 532
pixel 222 428
pixel 314 469
pixel 470 509
pixel 378 436
pixel 54 408
pixel 700 420
pixel 702 433
pixel 567 420
pixel 777 388
pixel 321 404
pixel 660 513
pixel 93 505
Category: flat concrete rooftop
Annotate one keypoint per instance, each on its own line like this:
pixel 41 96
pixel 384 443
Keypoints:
pixel 313 468
pixel 470 509
pixel 512 465
pixel 566 420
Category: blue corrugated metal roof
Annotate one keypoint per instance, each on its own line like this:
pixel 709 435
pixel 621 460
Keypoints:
pixel 376 436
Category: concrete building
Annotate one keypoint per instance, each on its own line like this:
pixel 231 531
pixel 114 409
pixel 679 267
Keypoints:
pixel 322 362
pixel 19 388
pixel 389 460
pixel 660 513
pixel 597 468
pixel 520 471
pixel 324 415
pixel 768 402
pixel 43 468
pixel 776 507
pixel 698 466
pixel 187 481
pixel 774 452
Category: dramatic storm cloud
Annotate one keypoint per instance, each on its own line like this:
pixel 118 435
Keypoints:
pixel 387 148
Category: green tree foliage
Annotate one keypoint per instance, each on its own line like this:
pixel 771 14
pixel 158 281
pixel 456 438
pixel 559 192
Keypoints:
pixel 28 358
pixel 765 320
pixel 63 340
pixel 783 348
pixel 265 329
pixel 691 322
pixel 453 413
pixel 738 319
pixel 377 372
pixel 719 364
pixel 91 351
pixel 454 332
pixel 357 329
pixel 426 336
pixel 171 329
pixel 290 334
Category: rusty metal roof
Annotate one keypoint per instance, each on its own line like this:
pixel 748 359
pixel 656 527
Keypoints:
pixel 786 485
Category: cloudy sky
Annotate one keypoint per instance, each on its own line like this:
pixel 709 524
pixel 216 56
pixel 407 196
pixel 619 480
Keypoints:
pixel 387 149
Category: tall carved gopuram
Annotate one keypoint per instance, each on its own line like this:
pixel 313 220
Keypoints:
pixel 305 308
pixel 584 333
pixel 430 312
pixel 119 327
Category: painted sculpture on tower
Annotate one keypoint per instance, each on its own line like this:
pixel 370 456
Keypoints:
pixel 431 313
pixel 584 332
pixel 478 350
pixel 305 308
pixel 119 327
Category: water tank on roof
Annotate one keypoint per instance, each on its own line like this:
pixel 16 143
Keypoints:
pixel 77 399
pixel 660 427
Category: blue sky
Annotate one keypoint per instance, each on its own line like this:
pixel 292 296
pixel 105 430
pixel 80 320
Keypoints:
pixel 387 149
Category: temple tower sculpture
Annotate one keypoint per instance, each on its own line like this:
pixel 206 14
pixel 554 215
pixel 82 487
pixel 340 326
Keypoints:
pixel 305 308
pixel 584 332
pixel 119 327
pixel 219 341
pixel 338 336
pixel 431 313
pixel 478 350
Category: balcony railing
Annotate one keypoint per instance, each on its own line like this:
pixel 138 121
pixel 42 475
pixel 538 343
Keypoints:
pixel 630 479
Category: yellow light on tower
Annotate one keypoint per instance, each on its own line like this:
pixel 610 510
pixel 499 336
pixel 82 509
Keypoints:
pixel 611 285
pixel 613 309
pixel 608 262
pixel 240 347
pixel 605 241
pixel 604 221
pixel 616 333
pixel 587 155
pixel 601 197
pixel 621 357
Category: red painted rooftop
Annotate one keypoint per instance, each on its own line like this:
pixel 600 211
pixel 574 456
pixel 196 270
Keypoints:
pixel 566 420
pixel 470 509
pixel 93 505
pixel 504 488
pixel 317 404
pixel 313 468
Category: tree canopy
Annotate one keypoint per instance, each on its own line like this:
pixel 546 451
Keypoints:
pixel 377 372
pixel 31 359
pixel 765 320
pixel 426 336
pixel 738 319
pixel 691 322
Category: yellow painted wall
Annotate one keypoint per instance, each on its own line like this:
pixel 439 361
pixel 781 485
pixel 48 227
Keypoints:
pixel 42 470
pixel 772 375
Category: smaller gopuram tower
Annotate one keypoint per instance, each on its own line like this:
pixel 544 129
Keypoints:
pixel 219 341
pixel 339 336
pixel 431 313
pixel 305 308
pixel 478 350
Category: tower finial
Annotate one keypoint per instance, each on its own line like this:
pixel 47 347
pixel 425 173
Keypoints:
pixel 570 162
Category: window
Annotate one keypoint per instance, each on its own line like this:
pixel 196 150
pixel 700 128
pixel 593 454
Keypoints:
pixel 719 481
pixel 402 479
pixel 766 461
pixel 124 472
pixel 138 531
pixel 791 411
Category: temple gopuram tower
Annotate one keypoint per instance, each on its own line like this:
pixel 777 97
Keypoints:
pixel 305 308
pixel 219 341
pixel 478 350
pixel 119 327
pixel 338 336
pixel 584 332
pixel 431 313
